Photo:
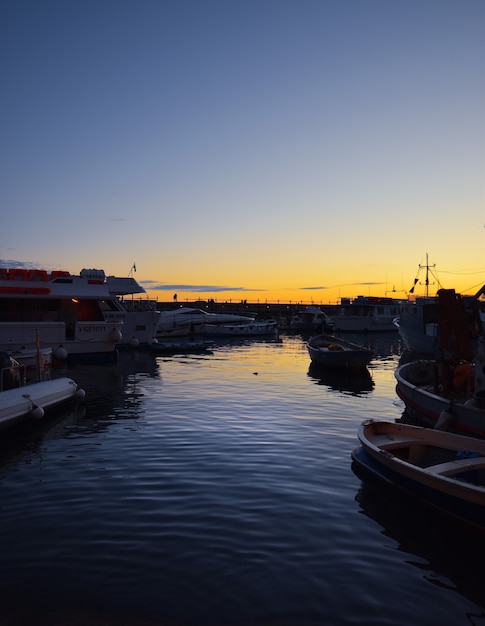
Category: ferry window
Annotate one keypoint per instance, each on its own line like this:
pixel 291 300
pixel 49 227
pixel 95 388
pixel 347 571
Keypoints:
pixel 29 310
pixel 107 305
pixel 88 311
pixel 11 310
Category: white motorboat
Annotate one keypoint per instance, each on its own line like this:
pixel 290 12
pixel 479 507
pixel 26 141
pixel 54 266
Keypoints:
pixel 32 401
pixel 246 329
pixel 312 320
pixel 75 315
pixel 188 321
pixel 20 401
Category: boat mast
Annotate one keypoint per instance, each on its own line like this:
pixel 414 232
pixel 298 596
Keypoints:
pixel 427 267
pixel 427 276
pixel 426 280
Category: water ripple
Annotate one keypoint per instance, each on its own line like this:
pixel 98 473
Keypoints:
pixel 218 490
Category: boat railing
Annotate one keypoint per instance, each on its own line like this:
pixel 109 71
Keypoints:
pixel 12 376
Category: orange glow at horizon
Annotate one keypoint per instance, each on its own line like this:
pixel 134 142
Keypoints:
pixel 325 296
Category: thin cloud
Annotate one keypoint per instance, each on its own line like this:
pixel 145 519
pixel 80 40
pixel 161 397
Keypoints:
pixel 367 284
pixel 153 286
pixel 18 264
pixel 322 287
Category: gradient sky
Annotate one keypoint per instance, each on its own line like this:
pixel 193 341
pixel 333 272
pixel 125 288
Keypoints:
pixel 245 149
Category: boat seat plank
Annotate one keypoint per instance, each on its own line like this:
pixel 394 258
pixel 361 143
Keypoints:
pixel 458 465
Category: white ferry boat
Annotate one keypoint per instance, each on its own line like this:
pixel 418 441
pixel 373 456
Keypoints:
pixel 75 315
pixel 142 317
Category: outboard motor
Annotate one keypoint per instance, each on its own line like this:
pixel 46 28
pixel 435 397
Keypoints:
pixel 9 372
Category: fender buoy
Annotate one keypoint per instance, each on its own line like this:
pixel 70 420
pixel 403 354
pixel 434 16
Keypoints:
pixel 60 353
pixel 37 412
pixel 115 336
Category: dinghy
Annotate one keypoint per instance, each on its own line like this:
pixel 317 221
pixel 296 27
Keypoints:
pixel 442 469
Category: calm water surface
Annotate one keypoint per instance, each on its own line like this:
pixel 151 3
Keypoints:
pixel 217 489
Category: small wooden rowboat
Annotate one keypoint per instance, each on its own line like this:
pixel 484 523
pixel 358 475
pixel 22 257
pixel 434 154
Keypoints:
pixel 329 351
pixel 442 469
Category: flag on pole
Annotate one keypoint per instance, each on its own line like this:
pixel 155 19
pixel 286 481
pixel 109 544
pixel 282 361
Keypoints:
pixel 412 288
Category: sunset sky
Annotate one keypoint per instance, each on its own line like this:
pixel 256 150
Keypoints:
pixel 290 150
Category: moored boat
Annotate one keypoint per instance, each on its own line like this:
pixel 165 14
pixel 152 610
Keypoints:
pixel 312 319
pixel 366 314
pixel 424 320
pixel 75 315
pixel 420 321
pixel 444 470
pixel 184 321
pixel 188 346
pixel 37 362
pixel 334 352
pixel 246 329
pixel 443 395
pixel 447 391
pixel 141 315
pixel 176 332
pixel 20 401
pixel 33 400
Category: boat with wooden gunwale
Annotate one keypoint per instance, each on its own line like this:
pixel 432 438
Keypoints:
pixel 334 352
pixel 444 470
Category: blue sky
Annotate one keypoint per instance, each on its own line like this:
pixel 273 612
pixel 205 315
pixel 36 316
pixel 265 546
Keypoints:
pixel 267 147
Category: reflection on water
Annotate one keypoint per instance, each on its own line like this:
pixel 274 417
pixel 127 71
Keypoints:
pixel 229 342
pixel 215 490
pixel 355 382
pixel 27 437
pixel 121 383
pixel 447 552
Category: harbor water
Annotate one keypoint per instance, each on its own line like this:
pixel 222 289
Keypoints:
pixel 217 489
